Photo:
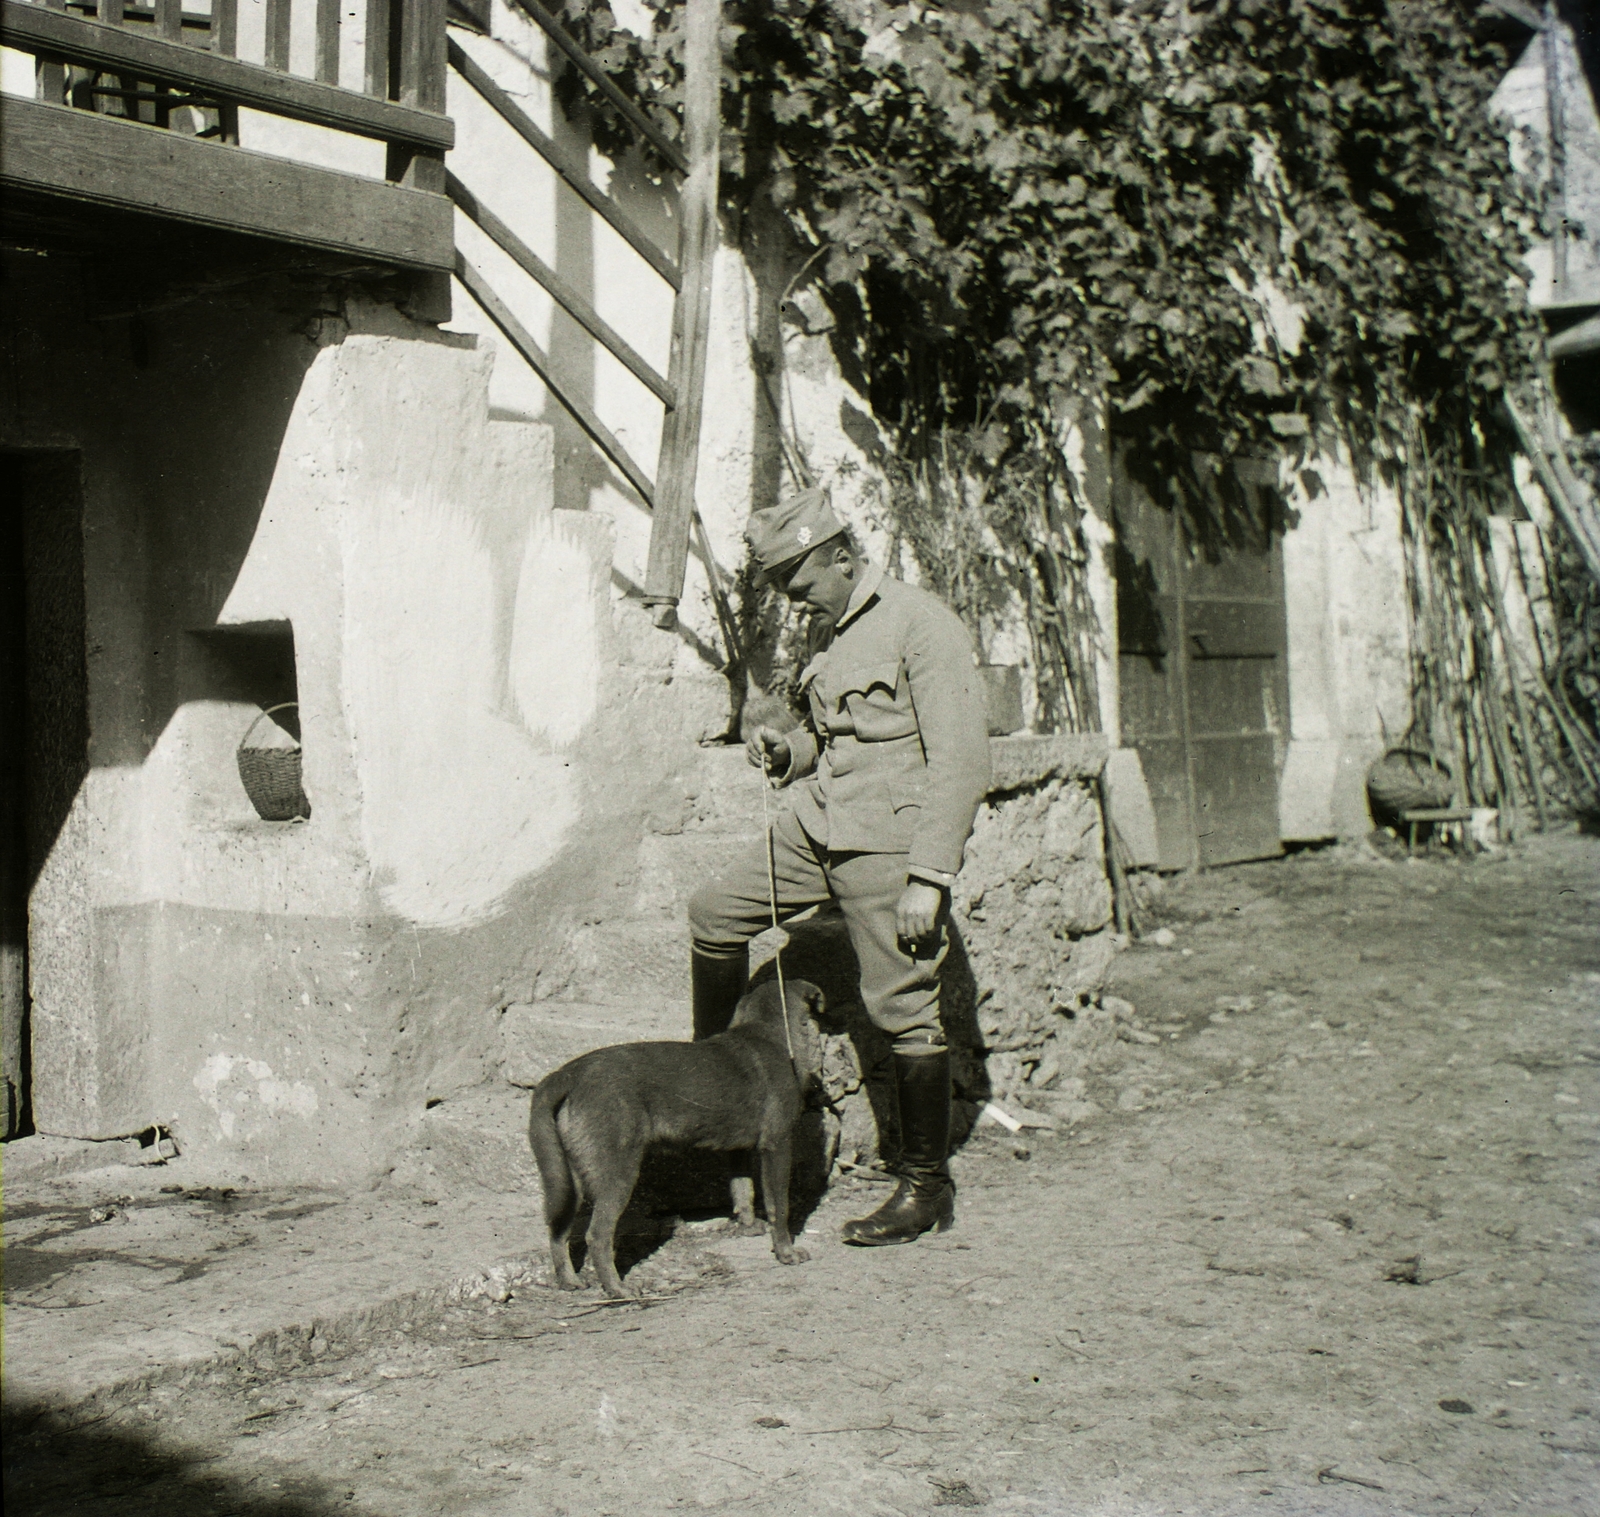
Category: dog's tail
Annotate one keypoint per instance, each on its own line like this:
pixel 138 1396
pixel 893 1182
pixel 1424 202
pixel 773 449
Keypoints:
pixel 560 1185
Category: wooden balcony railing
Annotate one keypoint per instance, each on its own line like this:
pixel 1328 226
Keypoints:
pixel 105 66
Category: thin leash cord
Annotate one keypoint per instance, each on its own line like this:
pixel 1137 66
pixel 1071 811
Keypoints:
pixel 772 895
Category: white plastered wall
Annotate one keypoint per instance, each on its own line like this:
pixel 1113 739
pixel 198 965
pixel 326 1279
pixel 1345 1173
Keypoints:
pixel 1349 658
pixel 448 653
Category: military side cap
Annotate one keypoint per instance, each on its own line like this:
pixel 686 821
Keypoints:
pixel 789 530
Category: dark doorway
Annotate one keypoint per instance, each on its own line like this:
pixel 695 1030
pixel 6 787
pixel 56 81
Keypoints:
pixel 44 727
pixel 1202 662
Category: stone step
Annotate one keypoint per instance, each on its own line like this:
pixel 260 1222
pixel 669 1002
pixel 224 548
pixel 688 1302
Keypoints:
pixel 478 1138
pixel 638 964
pixel 727 792
pixel 671 868
pixel 540 1037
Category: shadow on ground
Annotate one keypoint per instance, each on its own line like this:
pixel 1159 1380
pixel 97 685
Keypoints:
pixel 57 1468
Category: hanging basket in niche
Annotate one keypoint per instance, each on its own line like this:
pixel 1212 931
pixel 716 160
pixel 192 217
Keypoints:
pixel 271 776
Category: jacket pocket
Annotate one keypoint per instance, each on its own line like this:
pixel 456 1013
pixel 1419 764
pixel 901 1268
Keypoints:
pixel 880 709
pixel 907 795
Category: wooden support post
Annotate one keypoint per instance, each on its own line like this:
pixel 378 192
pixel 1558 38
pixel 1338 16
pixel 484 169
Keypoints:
pixel 277 39
pixel 50 74
pixel 169 27
pixel 225 44
pixel 691 322
pixel 376 69
pixel 421 85
pixel 327 59
pixel 1556 120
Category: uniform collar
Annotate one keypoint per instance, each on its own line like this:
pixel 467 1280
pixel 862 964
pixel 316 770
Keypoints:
pixel 863 592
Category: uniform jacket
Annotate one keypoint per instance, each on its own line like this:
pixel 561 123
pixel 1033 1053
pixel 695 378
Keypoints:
pixel 895 755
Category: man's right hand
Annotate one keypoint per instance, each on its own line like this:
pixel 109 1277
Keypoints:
pixel 774 745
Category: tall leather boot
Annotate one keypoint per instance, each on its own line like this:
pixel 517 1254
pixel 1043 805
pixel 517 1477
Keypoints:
pixel 716 985
pixel 924 1200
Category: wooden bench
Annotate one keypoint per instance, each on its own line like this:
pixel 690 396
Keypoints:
pixel 1460 815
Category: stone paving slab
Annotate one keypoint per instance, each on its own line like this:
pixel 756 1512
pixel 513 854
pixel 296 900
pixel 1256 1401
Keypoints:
pixel 118 1275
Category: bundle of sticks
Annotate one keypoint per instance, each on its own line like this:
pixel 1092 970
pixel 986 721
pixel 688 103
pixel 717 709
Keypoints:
pixel 1500 689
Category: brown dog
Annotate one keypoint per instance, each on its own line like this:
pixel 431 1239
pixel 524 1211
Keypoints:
pixel 591 1120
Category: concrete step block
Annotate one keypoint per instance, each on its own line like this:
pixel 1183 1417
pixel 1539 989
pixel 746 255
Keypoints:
pixel 636 962
pixel 538 1038
pixel 727 792
pixel 672 868
pixel 476 1139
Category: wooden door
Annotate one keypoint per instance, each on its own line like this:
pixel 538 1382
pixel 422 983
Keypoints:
pixel 1202 663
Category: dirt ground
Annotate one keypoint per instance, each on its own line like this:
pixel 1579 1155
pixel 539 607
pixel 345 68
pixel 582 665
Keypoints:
pixel 1330 1247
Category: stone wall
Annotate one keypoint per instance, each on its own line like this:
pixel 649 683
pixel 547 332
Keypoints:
pixel 1032 937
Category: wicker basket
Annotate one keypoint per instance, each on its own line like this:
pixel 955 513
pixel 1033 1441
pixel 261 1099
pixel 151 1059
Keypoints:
pixel 271 776
pixel 1407 779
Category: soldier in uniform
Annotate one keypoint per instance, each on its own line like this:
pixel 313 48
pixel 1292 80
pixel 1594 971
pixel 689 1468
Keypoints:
pixel 886 775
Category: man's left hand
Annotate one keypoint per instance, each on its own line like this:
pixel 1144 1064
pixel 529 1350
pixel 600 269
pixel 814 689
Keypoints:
pixel 916 916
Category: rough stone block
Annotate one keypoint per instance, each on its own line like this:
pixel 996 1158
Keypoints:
pixel 1072 827
pixel 479 1139
pixel 672 867
pixel 641 964
pixel 42 1156
pixel 536 1039
pixel 1003 690
pixel 1085 898
pixel 1025 760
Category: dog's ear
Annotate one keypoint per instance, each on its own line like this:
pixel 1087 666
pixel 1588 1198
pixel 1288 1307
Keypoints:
pixel 804 1038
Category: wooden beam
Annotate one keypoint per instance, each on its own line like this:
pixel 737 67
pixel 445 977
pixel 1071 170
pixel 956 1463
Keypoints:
pixel 602 81
pixel 1571 497
pixel 539 361
pixel 574 173
pixel 1576 340
pixel 565 296
pixel 103 160
pixel 120 50
pixel 691 326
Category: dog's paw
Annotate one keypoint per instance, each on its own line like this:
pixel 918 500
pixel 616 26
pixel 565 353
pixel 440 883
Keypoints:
pixel 794 1256
pixel 747 1227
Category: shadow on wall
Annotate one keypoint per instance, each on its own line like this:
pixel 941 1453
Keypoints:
pixel 148 523
pixel 55 1466
pixel 46 723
